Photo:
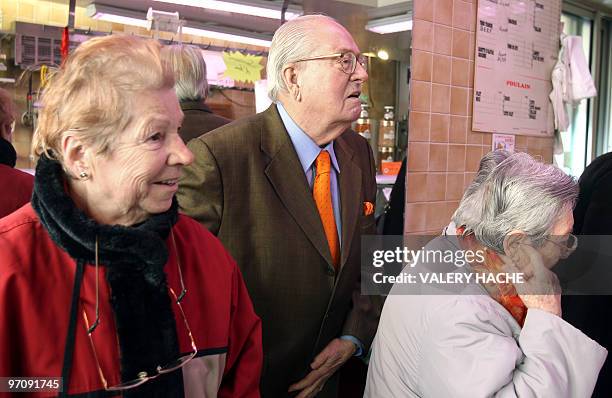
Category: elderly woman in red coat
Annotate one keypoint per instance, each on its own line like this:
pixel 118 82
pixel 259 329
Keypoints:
pixel 102 282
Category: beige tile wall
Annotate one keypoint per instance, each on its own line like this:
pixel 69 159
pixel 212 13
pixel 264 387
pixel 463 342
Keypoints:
pixel 443 151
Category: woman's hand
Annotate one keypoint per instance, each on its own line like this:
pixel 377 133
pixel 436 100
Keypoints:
pixel 541 288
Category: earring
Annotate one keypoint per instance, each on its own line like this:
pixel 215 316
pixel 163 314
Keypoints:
pixel 83 175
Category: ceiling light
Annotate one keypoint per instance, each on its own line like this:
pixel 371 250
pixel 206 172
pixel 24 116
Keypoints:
pixel 111 14
pixel 398 23
pixel 252 7
pixel 228 34
pixel 133 18
pixel 382 54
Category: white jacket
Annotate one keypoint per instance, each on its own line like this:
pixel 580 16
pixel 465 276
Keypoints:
pixel 468 345
pixel 571 79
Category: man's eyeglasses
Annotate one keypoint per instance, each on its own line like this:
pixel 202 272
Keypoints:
pixel 568 246
pixel 348 61
pixel 143 376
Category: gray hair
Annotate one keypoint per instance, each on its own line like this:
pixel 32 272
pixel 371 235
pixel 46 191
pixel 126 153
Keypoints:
pixel 291 42
pixel 189 67
pixel 470 208
pixel 522 194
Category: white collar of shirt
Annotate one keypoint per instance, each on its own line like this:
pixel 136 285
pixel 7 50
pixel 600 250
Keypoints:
pixel 307 150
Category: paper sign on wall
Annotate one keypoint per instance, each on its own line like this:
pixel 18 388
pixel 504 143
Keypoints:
pixel 243 67
pixel 517 45
pixel 503 141
pixel 215 69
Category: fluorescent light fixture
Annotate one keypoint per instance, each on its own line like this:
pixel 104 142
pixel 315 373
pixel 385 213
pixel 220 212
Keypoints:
pixel 398 23
pixel 111 14
pixel 253 7
pixel 127 17
pixel 228 35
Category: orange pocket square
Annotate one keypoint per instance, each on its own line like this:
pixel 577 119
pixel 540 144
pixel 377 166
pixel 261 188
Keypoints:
pixel 368 208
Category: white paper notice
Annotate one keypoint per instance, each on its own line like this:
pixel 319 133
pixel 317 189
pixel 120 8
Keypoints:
pixel 517 45
pixel 262 101
pixel 503 141
pixel 215 69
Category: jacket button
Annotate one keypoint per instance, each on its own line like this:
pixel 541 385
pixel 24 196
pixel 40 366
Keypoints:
pixel 331 272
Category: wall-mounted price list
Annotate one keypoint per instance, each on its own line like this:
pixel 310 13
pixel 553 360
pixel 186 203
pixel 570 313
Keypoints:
pixel 517 46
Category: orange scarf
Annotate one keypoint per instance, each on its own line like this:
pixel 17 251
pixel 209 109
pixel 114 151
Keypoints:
pixel 507 293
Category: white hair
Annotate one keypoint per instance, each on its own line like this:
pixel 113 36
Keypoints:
pixel 522 194
pixel 470 208
pixel 189 67
pixel 291 42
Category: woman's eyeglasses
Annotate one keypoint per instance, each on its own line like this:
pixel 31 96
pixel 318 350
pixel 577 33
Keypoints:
pixel 568 246
pixel 143 376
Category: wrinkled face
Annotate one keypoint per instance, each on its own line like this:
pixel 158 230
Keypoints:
pixel 326 90
pixel 553 248
pixel 139 176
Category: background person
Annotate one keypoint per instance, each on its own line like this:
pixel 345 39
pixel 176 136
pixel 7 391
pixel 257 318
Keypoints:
pixel 593 216
pixel 474 343
pixel 102 282
pixel 290 192
pixel 191 88
pixel 17 184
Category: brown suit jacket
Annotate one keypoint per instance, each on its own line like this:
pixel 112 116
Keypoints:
pixel 198 120
pixel 248 187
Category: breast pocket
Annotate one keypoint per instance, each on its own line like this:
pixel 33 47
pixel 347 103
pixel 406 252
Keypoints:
pixel 367 222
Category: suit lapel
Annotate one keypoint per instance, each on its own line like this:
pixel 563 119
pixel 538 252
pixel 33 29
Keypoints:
pixel 350 194
pixel 285 173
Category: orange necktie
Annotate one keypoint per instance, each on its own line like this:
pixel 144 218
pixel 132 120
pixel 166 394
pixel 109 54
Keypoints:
pixel 321 191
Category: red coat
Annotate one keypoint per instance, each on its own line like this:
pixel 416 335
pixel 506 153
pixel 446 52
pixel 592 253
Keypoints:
pixel 16 189
pixel 36 281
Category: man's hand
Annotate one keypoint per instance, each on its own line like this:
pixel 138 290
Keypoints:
pixel 334 355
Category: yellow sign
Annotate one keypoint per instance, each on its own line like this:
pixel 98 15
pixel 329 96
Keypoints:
pixel 244 68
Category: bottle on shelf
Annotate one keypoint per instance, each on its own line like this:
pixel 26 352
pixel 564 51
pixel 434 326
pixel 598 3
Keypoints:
pixel 385 154
pixel 366 127
pixel 386 132
pixel 386 137
pixel 364 124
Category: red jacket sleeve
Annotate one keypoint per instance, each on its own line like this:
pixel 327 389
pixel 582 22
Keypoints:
pixel 245 353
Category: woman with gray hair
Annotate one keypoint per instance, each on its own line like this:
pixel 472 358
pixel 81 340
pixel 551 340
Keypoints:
pixel 468 213
pixel 495 328
pixel 191 86
pixel 102 282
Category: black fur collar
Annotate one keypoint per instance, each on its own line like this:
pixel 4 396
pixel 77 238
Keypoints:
pixel 134 257
pixel 8 156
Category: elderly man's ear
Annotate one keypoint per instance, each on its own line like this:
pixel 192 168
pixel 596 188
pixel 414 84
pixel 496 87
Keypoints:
pixel 290 76
pixel 75 157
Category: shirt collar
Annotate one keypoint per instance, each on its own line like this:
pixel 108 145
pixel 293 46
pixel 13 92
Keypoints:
pixel 307 150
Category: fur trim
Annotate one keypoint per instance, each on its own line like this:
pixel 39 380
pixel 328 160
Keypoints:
pixel 134 257
pixel 8 156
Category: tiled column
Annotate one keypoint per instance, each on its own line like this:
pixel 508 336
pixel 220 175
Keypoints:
pixel 443 151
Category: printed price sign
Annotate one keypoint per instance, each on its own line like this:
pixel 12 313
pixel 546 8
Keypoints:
pixel 243 67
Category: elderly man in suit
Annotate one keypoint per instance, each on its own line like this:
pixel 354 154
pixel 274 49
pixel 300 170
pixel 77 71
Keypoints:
pixel 289 192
